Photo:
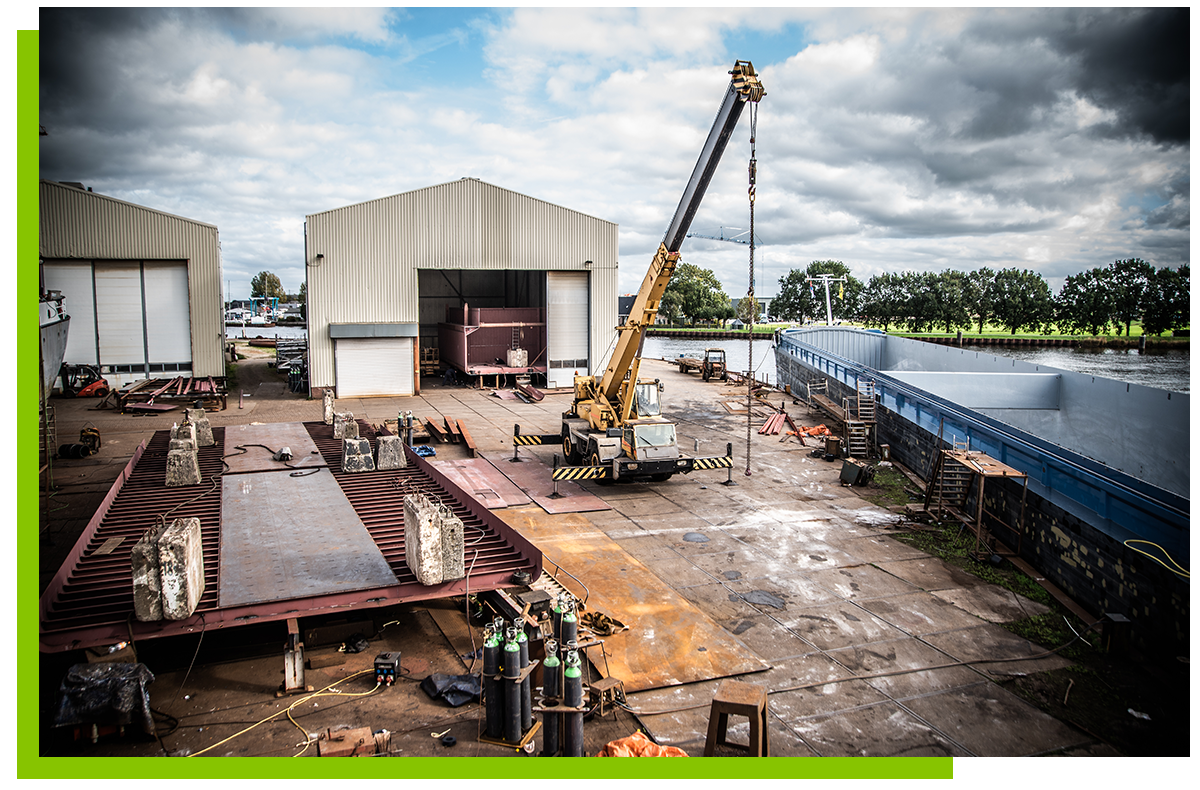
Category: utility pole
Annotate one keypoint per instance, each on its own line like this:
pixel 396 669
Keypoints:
pixel 827 279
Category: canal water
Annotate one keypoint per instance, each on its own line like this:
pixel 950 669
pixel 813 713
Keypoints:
pixel 737 353
pixel 1169 370
pixel 250 332
pixel 1164 369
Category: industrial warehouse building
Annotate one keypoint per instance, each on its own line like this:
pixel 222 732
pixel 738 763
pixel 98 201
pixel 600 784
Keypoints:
pixel 142 287
pixel 470 258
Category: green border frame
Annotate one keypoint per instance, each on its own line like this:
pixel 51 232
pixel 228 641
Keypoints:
pixel 30 765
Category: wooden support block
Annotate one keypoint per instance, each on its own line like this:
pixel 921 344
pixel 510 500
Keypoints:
pixel 346 743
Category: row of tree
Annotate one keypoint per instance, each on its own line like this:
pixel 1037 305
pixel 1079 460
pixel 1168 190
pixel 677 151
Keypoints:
pixel 1016 299
pixel 267 284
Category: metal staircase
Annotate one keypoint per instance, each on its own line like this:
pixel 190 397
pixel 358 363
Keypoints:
pixel 866 401
pixel 949 485
pixel 858 431
pixel 959 473
pixel 858 438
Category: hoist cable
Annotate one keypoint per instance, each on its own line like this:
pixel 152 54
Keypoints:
pixel 752 305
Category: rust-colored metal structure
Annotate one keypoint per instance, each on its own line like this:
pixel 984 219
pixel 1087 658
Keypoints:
pixel 90 600
pixel 476 340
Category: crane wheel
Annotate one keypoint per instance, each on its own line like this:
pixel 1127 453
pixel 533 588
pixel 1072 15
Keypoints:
pixel 569 455
pixel 594 460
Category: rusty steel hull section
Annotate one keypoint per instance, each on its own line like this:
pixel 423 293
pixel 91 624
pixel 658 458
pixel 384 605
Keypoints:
pixel 90 601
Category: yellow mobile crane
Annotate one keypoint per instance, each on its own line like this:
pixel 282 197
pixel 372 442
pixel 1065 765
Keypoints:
pixel 616 421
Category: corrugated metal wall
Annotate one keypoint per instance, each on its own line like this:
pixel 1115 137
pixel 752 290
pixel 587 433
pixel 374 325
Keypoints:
pixel 84 225
pixel 371 253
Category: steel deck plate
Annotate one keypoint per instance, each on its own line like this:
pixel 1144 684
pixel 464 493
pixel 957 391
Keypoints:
pixel 288 537
pixel 292 435
pixel 479 478
pixel 669 642
pixel 533 477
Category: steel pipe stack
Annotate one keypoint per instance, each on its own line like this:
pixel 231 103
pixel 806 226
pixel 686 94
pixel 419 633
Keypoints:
pixel 552 670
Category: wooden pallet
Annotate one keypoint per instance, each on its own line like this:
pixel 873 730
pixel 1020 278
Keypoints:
pixel 430 361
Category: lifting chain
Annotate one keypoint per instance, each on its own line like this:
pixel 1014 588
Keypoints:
pixel 753 307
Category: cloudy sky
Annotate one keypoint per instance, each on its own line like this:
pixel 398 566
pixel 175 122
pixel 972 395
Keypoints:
pixel 890 139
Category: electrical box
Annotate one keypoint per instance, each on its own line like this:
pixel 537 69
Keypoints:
pixel 387 668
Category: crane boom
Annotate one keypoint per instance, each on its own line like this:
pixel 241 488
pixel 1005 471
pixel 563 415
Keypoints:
pixel 743 87
pixel 615 420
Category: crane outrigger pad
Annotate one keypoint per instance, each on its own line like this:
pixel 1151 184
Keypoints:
pixel 532 477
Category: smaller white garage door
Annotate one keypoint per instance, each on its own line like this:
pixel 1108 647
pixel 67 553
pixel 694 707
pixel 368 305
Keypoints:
pixel 567 304
pixel 369 366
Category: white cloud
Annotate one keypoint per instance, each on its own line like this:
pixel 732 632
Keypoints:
pixel 892 139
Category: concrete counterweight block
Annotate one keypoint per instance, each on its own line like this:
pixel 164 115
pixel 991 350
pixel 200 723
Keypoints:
pixel 356 456
pixel 199 419
pixel 327 400
pixel 423 539
pixel 147 587
pixel 433 541
pixel 183 468
pixel 389 453
pixel 186 432
pixel 344 426
pixel 182 444
pixel 453 564
pixel 181 568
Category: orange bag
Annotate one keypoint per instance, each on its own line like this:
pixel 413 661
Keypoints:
pixel 638 745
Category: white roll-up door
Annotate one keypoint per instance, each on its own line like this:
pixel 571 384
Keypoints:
pixel 168 317
pixel 567 321
pixel 119 314
pixel 126 315
pixel 74 280
pixel 367 366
